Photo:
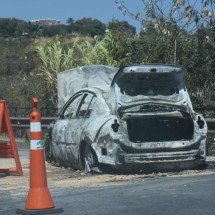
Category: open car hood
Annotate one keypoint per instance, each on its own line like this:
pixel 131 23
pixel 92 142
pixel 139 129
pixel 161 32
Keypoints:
pixel 150 83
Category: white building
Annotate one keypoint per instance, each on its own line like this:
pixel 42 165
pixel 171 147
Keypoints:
pixel 45 22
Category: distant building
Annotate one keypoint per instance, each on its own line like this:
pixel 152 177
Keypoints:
pixel 45 22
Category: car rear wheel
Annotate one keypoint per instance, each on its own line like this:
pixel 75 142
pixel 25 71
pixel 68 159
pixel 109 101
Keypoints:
pixel 90 160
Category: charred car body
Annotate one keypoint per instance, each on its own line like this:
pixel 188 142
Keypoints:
pixel 142 115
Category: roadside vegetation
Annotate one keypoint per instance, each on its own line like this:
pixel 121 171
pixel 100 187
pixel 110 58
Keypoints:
pixel 30 62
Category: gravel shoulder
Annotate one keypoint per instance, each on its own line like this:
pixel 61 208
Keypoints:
pixel 58 177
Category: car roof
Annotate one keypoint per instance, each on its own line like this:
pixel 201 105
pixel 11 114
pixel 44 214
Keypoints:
pixel 96 89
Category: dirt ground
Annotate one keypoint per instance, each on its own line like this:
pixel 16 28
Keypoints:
pixel 58 177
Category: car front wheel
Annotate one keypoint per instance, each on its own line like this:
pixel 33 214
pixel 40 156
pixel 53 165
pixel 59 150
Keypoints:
pixel 48 152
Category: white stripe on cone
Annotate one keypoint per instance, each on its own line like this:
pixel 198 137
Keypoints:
pixel 36 144
pixel 35 126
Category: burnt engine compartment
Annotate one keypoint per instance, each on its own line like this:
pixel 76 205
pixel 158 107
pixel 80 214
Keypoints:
pixel 158 128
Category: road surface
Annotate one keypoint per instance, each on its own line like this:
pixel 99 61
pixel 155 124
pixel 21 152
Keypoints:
pixel 189 195
pixel 190 192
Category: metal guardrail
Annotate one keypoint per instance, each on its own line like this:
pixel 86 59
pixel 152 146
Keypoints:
pixel 23 112
pixel 211 125
pixel 24 122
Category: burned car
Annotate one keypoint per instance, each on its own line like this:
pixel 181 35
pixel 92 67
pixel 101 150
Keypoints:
pixel 143 117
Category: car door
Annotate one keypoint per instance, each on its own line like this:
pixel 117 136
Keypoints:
pixel 76 127
pixel 68 113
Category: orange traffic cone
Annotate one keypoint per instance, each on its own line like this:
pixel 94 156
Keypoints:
pixel 39 198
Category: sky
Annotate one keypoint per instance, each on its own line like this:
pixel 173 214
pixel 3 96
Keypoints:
pixel 103 10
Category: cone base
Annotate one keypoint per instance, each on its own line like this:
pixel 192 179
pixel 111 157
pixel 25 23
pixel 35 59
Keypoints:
pixel 45 211
pixel 39 198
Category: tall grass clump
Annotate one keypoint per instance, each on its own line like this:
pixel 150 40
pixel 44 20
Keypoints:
pixel 57 56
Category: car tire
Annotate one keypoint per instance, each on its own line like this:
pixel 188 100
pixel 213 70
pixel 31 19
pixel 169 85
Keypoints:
pixel 48 152
pixel 90 160
pixel 202 166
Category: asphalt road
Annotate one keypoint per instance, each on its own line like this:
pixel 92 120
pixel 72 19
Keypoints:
pixel 193 195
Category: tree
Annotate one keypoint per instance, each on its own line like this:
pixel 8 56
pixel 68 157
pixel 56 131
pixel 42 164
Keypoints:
pixel 122 26
pixel 70 25
pixel 171 18
pixel 50 31
pixel 12 27
pixel 70 21
pixel 33 28
pixel 182 13
pixel 198 58
pixel 89 26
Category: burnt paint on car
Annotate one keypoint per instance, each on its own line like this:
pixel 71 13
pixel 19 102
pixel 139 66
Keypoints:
pixel 141 115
